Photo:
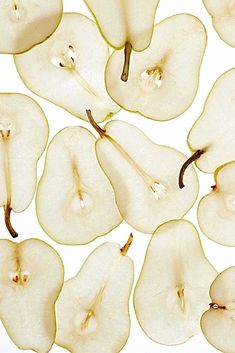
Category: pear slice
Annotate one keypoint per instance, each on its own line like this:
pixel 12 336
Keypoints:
pixel 158 86
pixel 206 138
pixel 218 323
pixel 216 211
pixel 223 18
pixel 128 24
pixel 93 308
pixel 23 138
pixel 31 279
pixel 68 69
pixel 75 201
pixel 25 23
pixel 173 288
pixel 144 176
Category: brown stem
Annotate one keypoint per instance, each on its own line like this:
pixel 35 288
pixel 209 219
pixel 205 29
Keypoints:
pixel 126 67
pixel 11 230
pixel 216 306
pixel 192 159
pixel 100 131
pixel 126 247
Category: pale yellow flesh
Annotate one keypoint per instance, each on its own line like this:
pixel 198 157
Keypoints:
pixel 25 23
pixel 122 21
pixel 216 211
pixel 173 288
pixel 92 310
pixel 144 176
pixel 23 138
pixel 158 86
pixel 68 69
pixel 30 281
pixel 214 130
pixel 75 201
pixel 218 325
pixel 223 18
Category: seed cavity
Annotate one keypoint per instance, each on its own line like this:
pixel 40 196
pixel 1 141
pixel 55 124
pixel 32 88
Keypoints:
pixel 85 323
pixel 181 297
pixel 5 130
pixel 152 78
pixel 20 278
pixel 17 11
pixel 159 190
pixel 64 57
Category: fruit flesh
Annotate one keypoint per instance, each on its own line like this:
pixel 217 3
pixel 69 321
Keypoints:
pixel 133 21
pixel 144 177
pixel 30 282
pixel 92 311
pixel 68 71
pixel 24 23
pixel 158 85
pixel 217 323
pixel 216 211
pixel 20 149
pixel 223 17
pixel 216 121
pixel 173 289
pixel 75 201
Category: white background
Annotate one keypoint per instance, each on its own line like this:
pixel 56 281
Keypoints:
pixel 219 57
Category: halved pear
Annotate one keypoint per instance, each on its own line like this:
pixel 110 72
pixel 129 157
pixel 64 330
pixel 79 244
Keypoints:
pixel 23 138
pixel 211 138
pixel 75 201
pixel 128 24
pixel 223 18
pixel 68 69
pixel 173 288
pixel 218 323
pixel 31 279
pixel 144 176
pixel 25 23
pixel 158 86
pixel 93 308
pixel 216 211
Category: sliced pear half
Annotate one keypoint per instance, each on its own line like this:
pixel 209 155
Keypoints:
pixel 144 176
pixel 93 308
pixel 23 138
pixel 211 139
pixel 173 288
pixel 128 24
pixel 223 18
pixel 25 23
pixel 75 201
pixel 218 323
pixel 31 279
pixel 68 69
pixel 158 86
pixel 216 211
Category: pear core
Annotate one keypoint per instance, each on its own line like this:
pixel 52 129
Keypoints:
pixel 158 190
pixel 17 11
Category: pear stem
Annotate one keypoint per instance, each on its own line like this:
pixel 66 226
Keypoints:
pixel 92 121
pixel 126 247
pixel 126 67
pixel 192 159
pixel 11 230
pixel 214 188
pixel 216 306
